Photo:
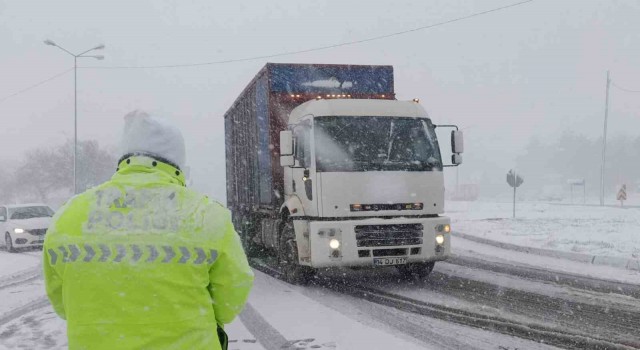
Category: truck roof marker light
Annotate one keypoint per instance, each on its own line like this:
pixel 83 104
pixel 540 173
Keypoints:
pixel 416 100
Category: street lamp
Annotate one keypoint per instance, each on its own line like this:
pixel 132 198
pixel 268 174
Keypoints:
pixel 75 101
pixel 604 140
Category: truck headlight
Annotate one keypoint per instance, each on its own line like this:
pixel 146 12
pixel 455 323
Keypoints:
pixel 440 239
pixel 334 244
pixel 18 230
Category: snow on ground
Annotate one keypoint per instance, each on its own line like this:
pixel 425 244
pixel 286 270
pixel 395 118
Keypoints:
pixel 20 295
pixel 40 329
pixel 437 333
pixel 15 263
pixel 463 247
pixel 308 324
pixel 593 230
pixel 278 316
pixel 43 329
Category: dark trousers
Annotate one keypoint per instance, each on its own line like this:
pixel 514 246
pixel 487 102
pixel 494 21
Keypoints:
pixel 224 339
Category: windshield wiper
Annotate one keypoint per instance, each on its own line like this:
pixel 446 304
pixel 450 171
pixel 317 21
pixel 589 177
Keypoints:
pixel 433 163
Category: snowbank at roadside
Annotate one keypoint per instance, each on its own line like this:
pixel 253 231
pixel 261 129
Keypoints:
pixel 601 231
pixel 490 253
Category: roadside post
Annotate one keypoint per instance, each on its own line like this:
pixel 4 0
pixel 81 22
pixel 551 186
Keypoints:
pixel 514 180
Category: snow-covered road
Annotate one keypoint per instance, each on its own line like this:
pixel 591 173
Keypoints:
pixel 499 304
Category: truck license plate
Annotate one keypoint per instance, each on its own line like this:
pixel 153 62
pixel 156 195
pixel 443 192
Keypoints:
pixel 389 261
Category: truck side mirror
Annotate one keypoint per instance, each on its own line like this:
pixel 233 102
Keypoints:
pixel 456 159
pixel 286 148
pixel 457 143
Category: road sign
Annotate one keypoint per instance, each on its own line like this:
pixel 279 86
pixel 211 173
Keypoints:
pixel 514 180
pixel 622 194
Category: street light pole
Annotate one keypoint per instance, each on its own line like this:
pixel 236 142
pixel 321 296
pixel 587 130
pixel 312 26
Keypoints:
pixel 75 102
pixel 75 125
pixel 604 141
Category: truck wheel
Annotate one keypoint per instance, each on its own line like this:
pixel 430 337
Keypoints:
pixel 250 248
pixel 9 243
pixel 416 270
pixel 293 272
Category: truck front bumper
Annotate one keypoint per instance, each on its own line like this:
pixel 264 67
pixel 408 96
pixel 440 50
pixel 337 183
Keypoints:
pixel 372 242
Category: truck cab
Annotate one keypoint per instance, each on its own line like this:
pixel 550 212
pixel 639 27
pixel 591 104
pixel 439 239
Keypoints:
pixel 363 183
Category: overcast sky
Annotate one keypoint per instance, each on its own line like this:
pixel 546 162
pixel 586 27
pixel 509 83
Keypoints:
pixel 536 69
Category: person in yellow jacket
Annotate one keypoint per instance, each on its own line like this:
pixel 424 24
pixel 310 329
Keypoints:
pixel 142 262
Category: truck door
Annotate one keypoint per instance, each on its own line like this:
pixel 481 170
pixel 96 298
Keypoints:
pixel 304 175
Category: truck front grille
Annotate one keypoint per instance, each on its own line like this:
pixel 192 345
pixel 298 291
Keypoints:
pixel 388 235
pixel 389 252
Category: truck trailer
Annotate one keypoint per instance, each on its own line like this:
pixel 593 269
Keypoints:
pixel 325 168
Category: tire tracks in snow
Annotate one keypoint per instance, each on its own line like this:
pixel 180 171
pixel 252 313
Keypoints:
pixel 20 311
pixel 555 277
pixel 537 330
pixel 596 317
pixel 567 334
pixel 20 277
pixel 268 336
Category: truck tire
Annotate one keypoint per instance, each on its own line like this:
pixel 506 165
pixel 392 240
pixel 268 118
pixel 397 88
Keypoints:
pixel 416 270
pixel 251 249
pixel 293 272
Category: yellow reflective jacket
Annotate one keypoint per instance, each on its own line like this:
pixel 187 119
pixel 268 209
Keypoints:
pixel 141 262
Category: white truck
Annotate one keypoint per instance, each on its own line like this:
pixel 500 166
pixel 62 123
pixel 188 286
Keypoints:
pixel 326 169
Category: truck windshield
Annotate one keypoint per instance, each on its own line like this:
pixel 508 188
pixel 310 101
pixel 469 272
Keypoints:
pixel 375 144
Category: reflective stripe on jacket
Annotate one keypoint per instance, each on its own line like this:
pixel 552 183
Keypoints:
pixel 141 262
